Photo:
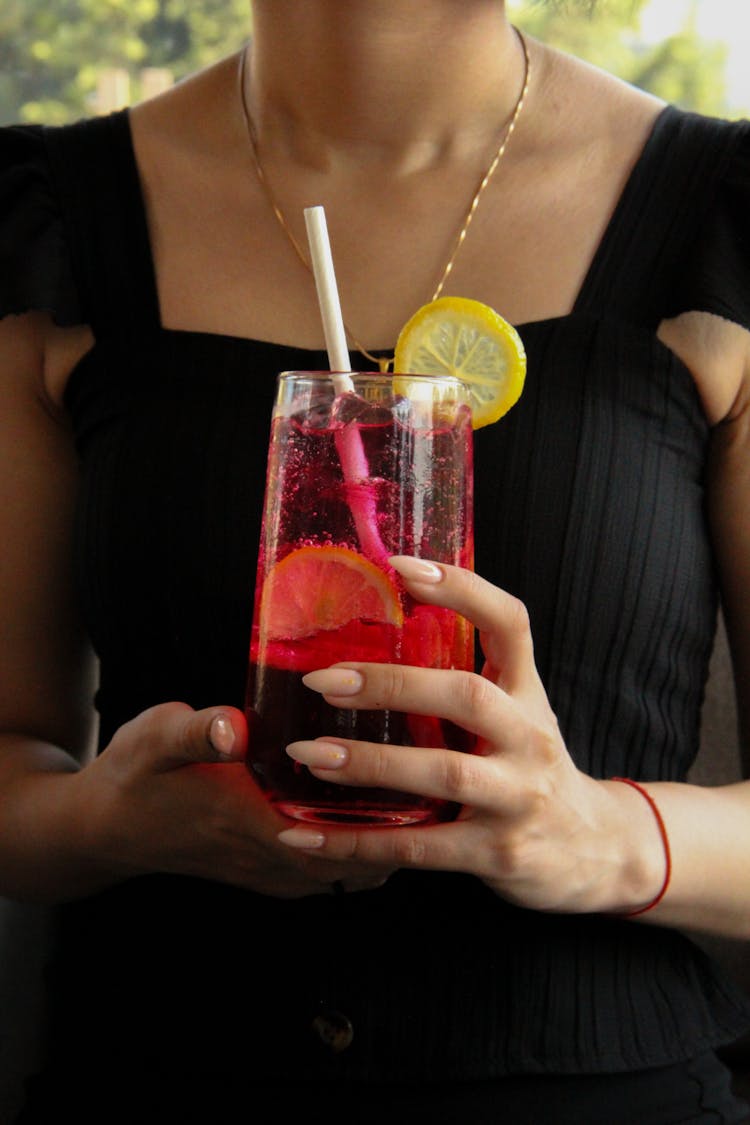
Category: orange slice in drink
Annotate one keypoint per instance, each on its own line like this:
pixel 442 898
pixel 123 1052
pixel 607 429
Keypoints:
pixel 464 338
pixel 315 589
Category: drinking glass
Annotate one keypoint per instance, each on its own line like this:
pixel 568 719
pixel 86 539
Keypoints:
pixel 384 468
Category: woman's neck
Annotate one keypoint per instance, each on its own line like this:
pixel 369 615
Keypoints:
pixel 381 81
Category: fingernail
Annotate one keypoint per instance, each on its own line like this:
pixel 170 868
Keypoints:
pixel 302 838
pixel 324 755
pixel 417 570
pixel 334 681
pixel 221 736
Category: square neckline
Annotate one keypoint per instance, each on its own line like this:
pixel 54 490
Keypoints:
pixel 586 295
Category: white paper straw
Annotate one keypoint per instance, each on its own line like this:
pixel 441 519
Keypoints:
pixel 328 298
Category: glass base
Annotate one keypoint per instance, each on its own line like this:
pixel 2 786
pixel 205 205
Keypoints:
pixel 363 818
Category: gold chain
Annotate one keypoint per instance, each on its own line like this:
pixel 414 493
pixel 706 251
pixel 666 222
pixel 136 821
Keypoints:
pixel 384 363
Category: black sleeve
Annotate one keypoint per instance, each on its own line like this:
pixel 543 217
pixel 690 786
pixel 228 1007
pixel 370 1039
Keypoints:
pixel 35 260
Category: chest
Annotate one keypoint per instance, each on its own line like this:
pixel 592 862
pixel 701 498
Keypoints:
pixel 226 263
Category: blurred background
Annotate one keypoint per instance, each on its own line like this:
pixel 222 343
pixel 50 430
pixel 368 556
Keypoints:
pixel 65 59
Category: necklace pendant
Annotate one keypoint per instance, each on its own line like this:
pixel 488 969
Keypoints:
pixel 384 363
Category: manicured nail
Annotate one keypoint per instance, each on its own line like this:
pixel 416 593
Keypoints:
pixel 302 838
pixel 323 755
pixel 221 736
pixel 417 570
pixel 334 681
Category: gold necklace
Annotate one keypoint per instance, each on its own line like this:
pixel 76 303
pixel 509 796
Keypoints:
pixel 382 362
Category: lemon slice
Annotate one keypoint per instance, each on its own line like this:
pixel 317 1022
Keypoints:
pixel 460 337
pixel 317 589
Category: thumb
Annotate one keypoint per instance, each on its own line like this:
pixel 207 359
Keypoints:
pixel 174 735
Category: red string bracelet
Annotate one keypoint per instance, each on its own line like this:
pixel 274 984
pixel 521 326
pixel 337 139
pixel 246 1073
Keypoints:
pixel 664 839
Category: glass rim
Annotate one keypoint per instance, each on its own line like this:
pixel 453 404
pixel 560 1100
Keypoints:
pixel 384 376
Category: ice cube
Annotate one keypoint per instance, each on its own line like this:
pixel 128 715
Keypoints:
pixel 315 416
pixel 348 407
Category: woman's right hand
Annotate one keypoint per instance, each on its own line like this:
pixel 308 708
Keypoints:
pixel 171 793
pixel 158 798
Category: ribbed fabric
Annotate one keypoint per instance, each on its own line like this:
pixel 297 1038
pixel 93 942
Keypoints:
pixel 589 499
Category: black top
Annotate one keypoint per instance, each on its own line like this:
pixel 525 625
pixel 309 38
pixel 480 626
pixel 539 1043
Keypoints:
pixel 589 502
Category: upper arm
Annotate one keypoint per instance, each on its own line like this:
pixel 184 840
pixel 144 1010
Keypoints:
pixel 717 353
pixel 728 492
pixel 47 668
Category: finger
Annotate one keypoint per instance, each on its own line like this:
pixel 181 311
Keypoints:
pixel 447 775
pixel 440 847
pixel 172 735
pixel 470 701
pixel 501 619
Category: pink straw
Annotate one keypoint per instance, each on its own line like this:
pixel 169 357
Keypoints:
pixel 348 439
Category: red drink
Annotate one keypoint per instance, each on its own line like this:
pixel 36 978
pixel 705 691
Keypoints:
pixel 351 480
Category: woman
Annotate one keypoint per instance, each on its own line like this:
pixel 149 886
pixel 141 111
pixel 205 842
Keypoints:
pixel 484 970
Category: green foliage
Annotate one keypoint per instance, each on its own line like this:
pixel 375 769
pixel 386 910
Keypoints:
pixel 682 69
pixel 686 71
pixel 52 52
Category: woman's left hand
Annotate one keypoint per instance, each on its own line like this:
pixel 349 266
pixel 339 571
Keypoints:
pixel 532 826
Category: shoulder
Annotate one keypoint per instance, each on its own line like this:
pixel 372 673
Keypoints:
pixel 693 199
pixel 35 265
pixel 188 121
pixel 706 318
pixel 184 146
pixel 60 189
pixel 585 133
pixel 585 111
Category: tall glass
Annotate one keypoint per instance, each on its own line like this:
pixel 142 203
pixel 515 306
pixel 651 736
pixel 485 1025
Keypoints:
pixel 353 478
